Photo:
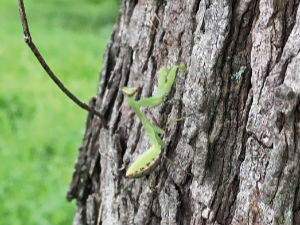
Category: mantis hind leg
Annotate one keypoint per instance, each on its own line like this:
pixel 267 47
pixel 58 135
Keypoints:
pixel 164 155
pixel 177 120
pixel 153 117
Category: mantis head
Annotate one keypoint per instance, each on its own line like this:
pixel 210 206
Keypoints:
pixel 129 91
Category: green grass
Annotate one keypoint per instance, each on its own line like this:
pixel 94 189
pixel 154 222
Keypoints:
pixel 40 128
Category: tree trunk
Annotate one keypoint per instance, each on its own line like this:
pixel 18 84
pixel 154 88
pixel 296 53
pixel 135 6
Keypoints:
pixel 240 140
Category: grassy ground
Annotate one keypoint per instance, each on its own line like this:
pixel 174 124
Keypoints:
pixel 40 129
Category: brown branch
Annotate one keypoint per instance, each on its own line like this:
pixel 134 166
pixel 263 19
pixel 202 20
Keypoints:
pixel 29 42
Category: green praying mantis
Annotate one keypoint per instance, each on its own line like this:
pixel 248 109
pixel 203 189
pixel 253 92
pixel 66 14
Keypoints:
pixel 147 162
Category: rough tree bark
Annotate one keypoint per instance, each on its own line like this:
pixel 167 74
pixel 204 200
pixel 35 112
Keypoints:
pixel 241 140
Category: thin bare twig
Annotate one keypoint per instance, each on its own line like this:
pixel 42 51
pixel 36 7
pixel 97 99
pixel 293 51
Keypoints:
pixel 99 214
pixel 29 42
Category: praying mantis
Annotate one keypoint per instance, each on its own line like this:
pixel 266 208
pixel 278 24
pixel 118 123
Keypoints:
pixel 147 162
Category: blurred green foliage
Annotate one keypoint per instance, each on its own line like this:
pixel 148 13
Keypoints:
pixel 40 128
